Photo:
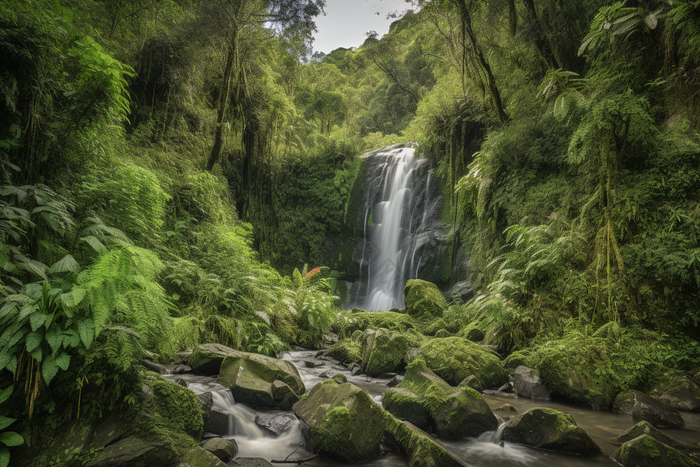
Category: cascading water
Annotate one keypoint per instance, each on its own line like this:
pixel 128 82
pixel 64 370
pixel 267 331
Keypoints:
pixel 400 220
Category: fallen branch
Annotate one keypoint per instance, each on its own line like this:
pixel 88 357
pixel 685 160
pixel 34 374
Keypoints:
pixel 300 461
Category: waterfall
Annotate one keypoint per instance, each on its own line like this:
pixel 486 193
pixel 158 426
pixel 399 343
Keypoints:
pixel 400 220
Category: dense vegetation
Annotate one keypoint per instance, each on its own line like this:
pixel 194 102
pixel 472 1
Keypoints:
pixel 174 170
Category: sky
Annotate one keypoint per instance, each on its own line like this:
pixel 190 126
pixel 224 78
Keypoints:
pixel 347 21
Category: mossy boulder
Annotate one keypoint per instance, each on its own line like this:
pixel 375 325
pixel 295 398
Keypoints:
pixel 427 401
pixel 346 351
pixel 571 372
pixel 362 320
pixel 424 300
pixel 385 351
pixel 206 359
pixel 420 449
pixel 645 451
pixel 455 358
pixel 678 391
pixel 343 421
pixel 526 382
pixel 550 429
pixel 655 412
pixel 646 428
pixel 261 381
pixel 199 457
pixel 624 402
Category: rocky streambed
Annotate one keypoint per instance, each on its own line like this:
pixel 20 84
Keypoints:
pixel 274 434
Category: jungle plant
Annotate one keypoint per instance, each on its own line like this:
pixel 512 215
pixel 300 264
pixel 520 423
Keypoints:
pixel 7 438
pixel 312 304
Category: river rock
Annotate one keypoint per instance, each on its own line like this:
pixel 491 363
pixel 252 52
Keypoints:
pixel 132 450
pixel 346 351
pixel 181 369
pixel 384 351
pixel 424 300
pixel 645 451
pixel 206 359
pixel 646 428
pixel 275 423
pixel 455 358
pixel 216 422
pixel 206 400
pixel 153 366
pixel 655 412
pixel 342 421
pixel 526 382
pixel 426 400
pixel 680 392
pixel 550 429
pixel 200 457
pixel 223 449
pixel 261 381
pixel 249 462
pixel 420 449
pixel 395 381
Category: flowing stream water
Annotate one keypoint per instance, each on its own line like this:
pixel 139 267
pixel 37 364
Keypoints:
pixel 485 451
pixel 399 222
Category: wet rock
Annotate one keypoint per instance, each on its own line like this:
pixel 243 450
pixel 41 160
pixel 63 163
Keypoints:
pixel 420 449
pixel 181 369
pixel 426 400
pixel 313 364
pixel 217 423
pixel 527 383
pixel 340 378
pixel 206 359
pixel 200 457
pixel 356 371
pixel 131 451
pixel 153 366
pixel 462 291
pixel 326 374
pixel 424 300
pixel 223 449
pixel 207 436
pixel 645 451
pixel 549 429
pixel 345 351
pixel 506 408
pixel 646 428
pixel 507 388
pixel 385 351
pixel 473 382
pixel 181 382
pixel 181 357
pixel 320 353
pixel 275 423
pixel 342 421
pixel 249 462
pixel 455 358
pixel 655 412
pixel 680 392
pixel 261 381
pixel 389 375
pixel 206 400
pixel 395 381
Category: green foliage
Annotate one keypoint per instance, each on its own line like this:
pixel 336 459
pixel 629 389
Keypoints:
pixel 7 438
pixel 313 306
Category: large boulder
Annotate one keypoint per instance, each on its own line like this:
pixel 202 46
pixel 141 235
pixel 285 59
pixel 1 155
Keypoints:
pixel 550 429
pixel 342 421
pixel 167 425
pixel 206 359
pixel 427 401
pixel 526 382
pixel 345 351
pixel 655 412
pixel 361 320
pixel 275 423
pixel 679 392
pixel 646 428
pixel 223 449
pixel 200 457
pixel 455 358
pixel 424 300
pixel 420 449
pixel 645 451
pixel 385 351
pixel 261 381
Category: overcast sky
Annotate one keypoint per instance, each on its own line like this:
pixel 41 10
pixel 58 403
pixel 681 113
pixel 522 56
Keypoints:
pixel 347 21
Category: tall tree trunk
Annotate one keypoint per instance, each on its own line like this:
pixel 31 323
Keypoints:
pixel 541 42
pixel 231 59
pixel 468 33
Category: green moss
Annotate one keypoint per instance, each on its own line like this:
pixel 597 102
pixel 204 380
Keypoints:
pixel 424 300
pixel 455 358
pixel 386 351
pixel 345 351
pixel 362 320
pixel 645 451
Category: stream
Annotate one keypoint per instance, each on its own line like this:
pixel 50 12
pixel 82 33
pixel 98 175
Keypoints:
pixel 484 451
